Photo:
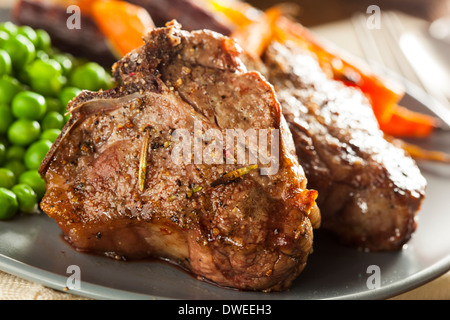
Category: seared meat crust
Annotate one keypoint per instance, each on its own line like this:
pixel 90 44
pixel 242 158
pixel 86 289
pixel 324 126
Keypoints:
pixel 369 190
pixel 253 233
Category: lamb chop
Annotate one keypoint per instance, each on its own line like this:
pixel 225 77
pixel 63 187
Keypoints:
pixel 369 189
pixel 114 187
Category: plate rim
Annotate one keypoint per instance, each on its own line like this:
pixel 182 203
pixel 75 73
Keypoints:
pixel 95 291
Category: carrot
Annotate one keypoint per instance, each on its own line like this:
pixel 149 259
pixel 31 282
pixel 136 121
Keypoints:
pixel 237 12
pixel 419 153
pixel 409 124
pixel 125 24
pixel 384 94
pixel 122 23
pixel 255 36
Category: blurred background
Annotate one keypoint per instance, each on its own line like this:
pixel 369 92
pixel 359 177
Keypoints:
pixel 316 12
pixel 412 43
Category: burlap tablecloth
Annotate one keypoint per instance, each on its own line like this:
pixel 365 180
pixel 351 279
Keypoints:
pixel 14 288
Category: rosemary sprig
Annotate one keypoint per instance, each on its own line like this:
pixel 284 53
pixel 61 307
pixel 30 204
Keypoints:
pixel 143 160
pixel 233 175
pixel 192 190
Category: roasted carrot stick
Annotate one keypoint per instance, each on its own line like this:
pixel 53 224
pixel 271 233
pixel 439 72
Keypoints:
pixel 237 12
pixel 125 24
pixel 383 93
pixel 409 124
pixel 255 36
pixel 122 23
pixel 419 153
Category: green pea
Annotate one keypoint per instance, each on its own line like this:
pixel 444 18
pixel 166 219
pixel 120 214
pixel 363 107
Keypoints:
pixel 36 153
pixel 6 118
pixel 67 94
pixel 9 87
pixel 28 32
pixel 46 77
pixel 50 135
pixel 29 105
pixel 21 50
pixel 5 141
pixel 42 55
pixel 53 104
pixel 23 77
pixel 7 178
pixel 48 86
pixel 65 61
pixel 8 204
pixel 3 38
pixel 44 41
pixel 16 166
pixel 2 153
pixel 23 132
pixel 109 82
pixel 67 117
pixel 52 120
pixel 9 27
pixel 44 68
pixel 15 153
pixel 26 198
pixel 5 63
pixel 90 76
pixel 35 181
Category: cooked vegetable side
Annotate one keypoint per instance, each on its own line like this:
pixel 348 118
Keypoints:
pixel 36 84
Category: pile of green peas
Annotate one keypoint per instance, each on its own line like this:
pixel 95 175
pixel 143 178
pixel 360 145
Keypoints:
pixel 36 84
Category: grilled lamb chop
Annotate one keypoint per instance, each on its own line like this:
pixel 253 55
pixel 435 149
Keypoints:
pixel 369 190
pixel 110 195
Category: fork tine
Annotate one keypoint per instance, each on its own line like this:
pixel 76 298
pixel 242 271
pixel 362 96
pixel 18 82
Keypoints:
pixel 436 101
pixel 378 47
pixel 396 29
pixel 366 41
pixel 381 48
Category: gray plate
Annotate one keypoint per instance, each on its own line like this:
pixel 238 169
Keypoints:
pixel 32 248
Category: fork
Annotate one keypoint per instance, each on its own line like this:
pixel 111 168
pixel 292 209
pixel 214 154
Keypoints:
pixel 382 49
